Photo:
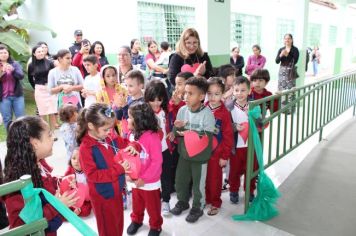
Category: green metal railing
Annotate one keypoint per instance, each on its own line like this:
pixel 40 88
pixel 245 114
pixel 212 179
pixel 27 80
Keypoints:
pixel 315 105
pixel 35 228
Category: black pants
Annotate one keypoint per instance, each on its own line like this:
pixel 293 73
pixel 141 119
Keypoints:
pixel 4 222
pixel 166 176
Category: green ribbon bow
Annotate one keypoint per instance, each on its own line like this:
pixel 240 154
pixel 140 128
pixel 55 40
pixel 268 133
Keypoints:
pixel 263 206
pixel 33 209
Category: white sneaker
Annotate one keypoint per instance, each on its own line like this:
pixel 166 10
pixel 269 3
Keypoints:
pixel 166 208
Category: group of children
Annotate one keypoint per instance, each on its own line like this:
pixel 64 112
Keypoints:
pixel 182 142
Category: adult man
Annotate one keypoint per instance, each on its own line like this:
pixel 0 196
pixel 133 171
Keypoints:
pixel 78 35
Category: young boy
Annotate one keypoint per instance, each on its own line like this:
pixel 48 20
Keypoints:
pixel 163 59
pixel 134 83
pixel 238 161
pixel 91 83
pixel 260 79
pixel 194 116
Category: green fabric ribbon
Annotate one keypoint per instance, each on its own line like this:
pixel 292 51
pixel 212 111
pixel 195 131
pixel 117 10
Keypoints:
pixel 33 209
pixel 263 206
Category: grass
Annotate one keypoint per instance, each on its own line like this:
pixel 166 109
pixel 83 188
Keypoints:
pixel 30 109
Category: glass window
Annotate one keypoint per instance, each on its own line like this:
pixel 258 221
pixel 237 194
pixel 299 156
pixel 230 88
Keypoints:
pixel 284 26
pixel 332 35
pixel 348 38
pixel 314 34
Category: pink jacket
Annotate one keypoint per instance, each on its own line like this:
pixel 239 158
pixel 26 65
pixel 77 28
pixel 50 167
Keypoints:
pixel 151 157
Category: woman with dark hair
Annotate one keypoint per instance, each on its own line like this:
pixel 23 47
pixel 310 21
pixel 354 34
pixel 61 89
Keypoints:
pixel 38 71
pixel 288 57
pixel 189 57
pixel 255 61
pixel 99 51
pixel 156 71
pixel 237 60
pixel 125 63
pixel 11 91
pixel 137 58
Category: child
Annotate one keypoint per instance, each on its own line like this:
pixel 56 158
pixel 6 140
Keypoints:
pixel 194 116
pixel 260 79
pixel 134 83
pixel 146 193
pixel 227 73
pixel 156 96
pixel 224 136
pixel 74 168
pixel 29 142
pixel 163 59
pixel 91 83
pixel 238 162
pixel 111 91
pixel 105 177
pixel 68 115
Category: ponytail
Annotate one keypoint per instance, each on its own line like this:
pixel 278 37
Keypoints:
pixel 82 126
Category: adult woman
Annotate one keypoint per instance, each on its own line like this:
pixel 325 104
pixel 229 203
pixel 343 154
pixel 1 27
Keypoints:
pixel 99 51
pixel 287 56
pixel 38 71
pixel 152 56
pixel 11 92
pixel 137 58
pixel 65 80
pixel 189 57
pixel 315 59
pixel 255 61
pixel 125 65
pixel 237 60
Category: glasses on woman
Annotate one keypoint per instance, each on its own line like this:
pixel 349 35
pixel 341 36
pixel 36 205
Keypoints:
pixel 195 43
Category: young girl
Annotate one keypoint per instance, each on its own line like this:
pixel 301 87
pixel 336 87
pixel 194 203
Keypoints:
pixel 105 177
pixel 68 115
pixel 156 96
pixel 224 136
pixel 74 168
pixel 146 193
pixel 29 142
pixel 112 92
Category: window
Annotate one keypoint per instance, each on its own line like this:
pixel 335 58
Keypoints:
pixel 284 26
pixel 332 35
pixel 161 22
pixel 314 35
pixel 245 31
pixel 348 38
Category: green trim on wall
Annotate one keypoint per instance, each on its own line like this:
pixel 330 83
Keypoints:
pixel 338 60
pixel 112 58
pixel 218 60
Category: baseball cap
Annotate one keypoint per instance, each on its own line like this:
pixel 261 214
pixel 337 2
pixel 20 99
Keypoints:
pixel 78 32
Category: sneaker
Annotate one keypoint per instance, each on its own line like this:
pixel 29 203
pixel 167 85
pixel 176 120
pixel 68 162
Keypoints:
pixel 133 227
pixel 252 196
pixel 179 208
pixel 225 185
pixel 234 197
pixel 194 214
pixel 166 208
pixel 154 232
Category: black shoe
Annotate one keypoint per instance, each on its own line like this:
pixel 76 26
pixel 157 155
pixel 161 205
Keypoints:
pixel 194 214
pixel 234 197
pixel 154 232
pixel 133 227
pixel 252 196
pixel 179 208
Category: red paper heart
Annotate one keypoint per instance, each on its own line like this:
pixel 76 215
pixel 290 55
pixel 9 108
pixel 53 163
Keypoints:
pixel 134 161
pixel 70 100
pixel 85 188
pixel 244 133
pixel 189 68
pixel 215 142
pixel 65 184
pixel 82 190
pixel 194 144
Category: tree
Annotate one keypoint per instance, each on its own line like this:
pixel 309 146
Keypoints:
pixel 14 31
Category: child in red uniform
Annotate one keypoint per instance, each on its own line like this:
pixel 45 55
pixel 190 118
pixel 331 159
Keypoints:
pixel 75 169
pixel 105 177
pixel 29 141
pixel 260 79
pixel 146 193
pixel 225 139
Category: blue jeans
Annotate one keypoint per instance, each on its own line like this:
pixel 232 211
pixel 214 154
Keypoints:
pixel 315 67
pixel 9 104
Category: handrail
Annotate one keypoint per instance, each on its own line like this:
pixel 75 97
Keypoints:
pixel 315 106
pixel 35 228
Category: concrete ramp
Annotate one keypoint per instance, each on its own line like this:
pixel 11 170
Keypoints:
pixel 319 197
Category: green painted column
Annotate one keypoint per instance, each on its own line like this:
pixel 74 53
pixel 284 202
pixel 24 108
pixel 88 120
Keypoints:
pixel 338 61
pixel 302 27
pixel 213 24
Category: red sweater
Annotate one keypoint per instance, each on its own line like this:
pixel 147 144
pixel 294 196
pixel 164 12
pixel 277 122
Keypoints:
pixel 225 135
pixel 15 203
pixel 255 96
pixel 78 62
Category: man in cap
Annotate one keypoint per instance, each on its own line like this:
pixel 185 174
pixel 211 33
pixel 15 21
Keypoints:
pixel 78 35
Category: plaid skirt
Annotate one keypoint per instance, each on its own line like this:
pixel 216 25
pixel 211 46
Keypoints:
pixel 284 79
